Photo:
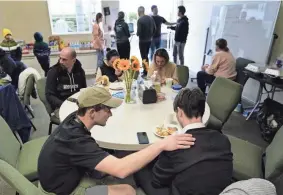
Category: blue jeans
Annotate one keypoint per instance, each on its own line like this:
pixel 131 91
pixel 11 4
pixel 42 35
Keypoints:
pixel 100 58
pixel 155 44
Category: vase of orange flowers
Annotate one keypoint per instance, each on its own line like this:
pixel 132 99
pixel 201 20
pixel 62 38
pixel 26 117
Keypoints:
pixel 130 70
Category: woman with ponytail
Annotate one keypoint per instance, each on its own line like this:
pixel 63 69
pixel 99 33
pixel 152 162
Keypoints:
pixel 223 65
pixel 98 39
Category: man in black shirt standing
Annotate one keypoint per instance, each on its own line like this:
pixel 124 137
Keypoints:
pixel 70 154
pixel 206 168
pixel 156 40
pixel 145 32
pixel 181 33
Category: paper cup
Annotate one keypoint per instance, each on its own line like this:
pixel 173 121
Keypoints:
pixel 169 82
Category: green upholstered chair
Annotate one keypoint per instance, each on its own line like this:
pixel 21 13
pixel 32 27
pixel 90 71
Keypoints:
pixel 41 83
pixel 183 75
pixel 17 181
pixel 26 96
pixel 222 98
pixel 249 161
pixel 22 157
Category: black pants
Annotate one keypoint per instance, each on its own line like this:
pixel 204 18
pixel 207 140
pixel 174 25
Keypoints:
pixel 143 179
pixel 144 50
pixel 124 50
pixel 203 78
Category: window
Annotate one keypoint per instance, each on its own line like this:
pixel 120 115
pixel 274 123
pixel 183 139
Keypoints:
pixel 72 16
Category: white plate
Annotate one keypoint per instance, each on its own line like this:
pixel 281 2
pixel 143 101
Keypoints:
pixel 167 125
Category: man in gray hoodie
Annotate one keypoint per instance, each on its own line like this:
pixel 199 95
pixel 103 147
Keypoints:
pixel 145 32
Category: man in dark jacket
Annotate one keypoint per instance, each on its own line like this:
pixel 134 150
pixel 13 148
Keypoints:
pixel 181 33
pixel 145 32
pixel 10 46
pixel 205 168
pixel 41 51
pixel 122 32
pixel 64 79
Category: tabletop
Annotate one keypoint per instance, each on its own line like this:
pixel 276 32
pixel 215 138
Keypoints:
pixel 120 132
pixel 265 79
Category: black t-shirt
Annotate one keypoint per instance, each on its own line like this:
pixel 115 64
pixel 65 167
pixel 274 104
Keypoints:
pixel 158 21
pixel 68 154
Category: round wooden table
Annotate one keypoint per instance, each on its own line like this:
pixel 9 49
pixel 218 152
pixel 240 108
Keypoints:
pixel 120 132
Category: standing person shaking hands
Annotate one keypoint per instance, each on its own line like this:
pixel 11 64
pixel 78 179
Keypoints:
pixel 145 32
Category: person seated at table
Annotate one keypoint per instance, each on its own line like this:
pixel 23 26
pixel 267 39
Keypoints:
pixel 71 153
pixel 10 46
pixel 165 68
pixel 107 67
pixel 206 168
pixel 64 79
pixel 223 65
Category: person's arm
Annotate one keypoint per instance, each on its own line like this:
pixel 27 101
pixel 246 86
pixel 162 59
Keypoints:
pixel 214 65
pixel 98 74
pixel 150 71
pixel 175 76
pixel 124 167
pixel 172 27
pixel 163 171
pixel 164 21
pixel 127 30
pixel 51 91
pixel 139 26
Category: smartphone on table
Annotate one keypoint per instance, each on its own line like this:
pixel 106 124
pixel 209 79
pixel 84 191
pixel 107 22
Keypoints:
pixel 142 137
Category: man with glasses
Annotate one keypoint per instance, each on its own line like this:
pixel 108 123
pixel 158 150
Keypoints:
pixel 64 79
pixel 71 154
pixel 206 168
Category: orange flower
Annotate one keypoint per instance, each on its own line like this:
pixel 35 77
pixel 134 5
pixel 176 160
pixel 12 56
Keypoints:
pixel 145 65
pixel 116 64
pixel 124 65
pixel 134 58
pixel 136 65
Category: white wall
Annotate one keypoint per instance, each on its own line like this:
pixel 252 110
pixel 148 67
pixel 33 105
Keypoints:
pixel 198 13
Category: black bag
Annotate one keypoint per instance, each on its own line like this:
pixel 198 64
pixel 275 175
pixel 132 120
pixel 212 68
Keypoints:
pixel 270 119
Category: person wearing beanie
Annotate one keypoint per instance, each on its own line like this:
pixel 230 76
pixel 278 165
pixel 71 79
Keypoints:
pixel 122 36
pixel 10 46
pixel 41 51
pixel 254 186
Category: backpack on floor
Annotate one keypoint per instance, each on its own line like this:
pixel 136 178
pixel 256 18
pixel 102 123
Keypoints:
pixel 270 119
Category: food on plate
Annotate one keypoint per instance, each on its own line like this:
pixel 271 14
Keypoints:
pixel 165 131
pixel 103 80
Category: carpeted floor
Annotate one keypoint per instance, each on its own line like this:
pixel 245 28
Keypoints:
pixel 236 125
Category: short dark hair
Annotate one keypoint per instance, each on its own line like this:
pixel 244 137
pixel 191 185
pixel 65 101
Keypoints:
pixel 153 7
pixel 112 53
pixel 98 107
pixel 98 16
pixel 182 9
pixel 191 101
pixel 222 44
pixel 121 15
pixel 162 53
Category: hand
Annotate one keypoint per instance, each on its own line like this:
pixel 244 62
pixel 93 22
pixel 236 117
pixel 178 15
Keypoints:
pixel 180 141
pixel 204 67
pixel 118 72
